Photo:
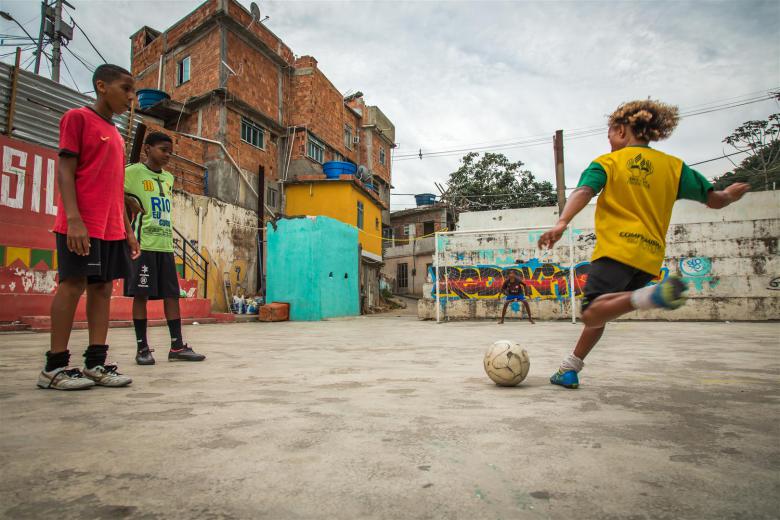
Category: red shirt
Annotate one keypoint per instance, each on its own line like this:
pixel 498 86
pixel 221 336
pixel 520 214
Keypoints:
pixel 100 173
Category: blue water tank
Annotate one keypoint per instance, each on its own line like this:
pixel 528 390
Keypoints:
pixel 425 199
pixel 333 169
pixel 148 97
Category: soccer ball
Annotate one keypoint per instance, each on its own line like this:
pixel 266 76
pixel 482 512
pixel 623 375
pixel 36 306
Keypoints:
pixel 506 363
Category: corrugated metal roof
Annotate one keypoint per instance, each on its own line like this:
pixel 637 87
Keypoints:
pixel 40 103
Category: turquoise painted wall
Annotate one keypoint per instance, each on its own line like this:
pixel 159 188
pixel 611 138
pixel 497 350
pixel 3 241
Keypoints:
pixel 312 264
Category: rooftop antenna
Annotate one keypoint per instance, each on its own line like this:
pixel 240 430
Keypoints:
pixel 254 9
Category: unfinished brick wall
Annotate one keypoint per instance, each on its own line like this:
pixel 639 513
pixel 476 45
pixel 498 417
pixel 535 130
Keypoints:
pixel 418 216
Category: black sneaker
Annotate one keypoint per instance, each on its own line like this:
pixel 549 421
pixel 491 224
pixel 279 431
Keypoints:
pixel 144 356
pixel 184 353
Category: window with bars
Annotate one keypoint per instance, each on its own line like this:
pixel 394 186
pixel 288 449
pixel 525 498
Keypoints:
pixel 315 150
pixel 360 215
pixel 382 156
pixel 348 137
pixel 252 133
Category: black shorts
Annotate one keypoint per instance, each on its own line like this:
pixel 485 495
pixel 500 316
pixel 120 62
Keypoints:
pixel 108 260
pixel 153 275
pixel 607 276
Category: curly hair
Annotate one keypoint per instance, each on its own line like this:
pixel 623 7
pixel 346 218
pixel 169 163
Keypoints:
pixel 649 120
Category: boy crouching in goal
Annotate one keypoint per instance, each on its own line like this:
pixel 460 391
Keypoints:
pixel 637 187
pixel 153 275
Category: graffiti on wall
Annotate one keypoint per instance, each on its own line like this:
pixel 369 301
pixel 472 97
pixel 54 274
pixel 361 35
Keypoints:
pixel 697 271
pixel 545 280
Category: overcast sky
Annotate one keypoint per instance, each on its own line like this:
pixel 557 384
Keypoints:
pixel 459 75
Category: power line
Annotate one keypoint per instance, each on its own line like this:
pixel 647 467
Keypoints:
pixel 90 68
pixel 67 69
pixel 87 37
pixel 585 132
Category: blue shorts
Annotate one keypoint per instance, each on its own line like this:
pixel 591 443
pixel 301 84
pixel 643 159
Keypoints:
pixel 515 297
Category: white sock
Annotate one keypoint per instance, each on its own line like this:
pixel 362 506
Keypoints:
pixel 572 362
pixel 642 299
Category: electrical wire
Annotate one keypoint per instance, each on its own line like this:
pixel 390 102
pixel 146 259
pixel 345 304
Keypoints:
pixel 86 36
pixel 585 132
pixel 90 67
pixel 67 69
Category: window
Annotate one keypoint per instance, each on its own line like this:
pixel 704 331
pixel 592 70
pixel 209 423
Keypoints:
pixel 428 228
pixel 348 137
pixel 402 276
pixel 272 198
pixel 409 230
pixel 183 71
pixel 315 150
pixel 338 157
pixel 382 155
pixel 360 215
pixel 376 223
pixel 252 133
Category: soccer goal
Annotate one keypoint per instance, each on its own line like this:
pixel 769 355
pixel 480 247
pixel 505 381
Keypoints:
pixel 472 265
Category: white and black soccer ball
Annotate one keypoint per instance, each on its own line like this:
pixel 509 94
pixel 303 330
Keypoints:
pixel 506 363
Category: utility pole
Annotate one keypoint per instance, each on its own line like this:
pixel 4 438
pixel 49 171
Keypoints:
pixel 39 50
pixel 56 53
pixel 560 178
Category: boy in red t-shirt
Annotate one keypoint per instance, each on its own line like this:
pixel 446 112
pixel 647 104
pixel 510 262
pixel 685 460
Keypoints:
pixel 91 230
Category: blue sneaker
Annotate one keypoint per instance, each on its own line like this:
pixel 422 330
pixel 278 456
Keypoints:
pixel 566 379
pixel 671 293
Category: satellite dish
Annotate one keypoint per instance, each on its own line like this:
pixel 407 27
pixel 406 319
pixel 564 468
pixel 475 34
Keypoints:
pixel 255 10
pixel 362 173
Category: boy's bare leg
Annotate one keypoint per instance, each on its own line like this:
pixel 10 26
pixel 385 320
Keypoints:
pixel 528 312
pixel 607 307
pixel 98 309
pixel 63 308
pixel 588 339
pixel 139 307
pixel 503 313
pixel 171 308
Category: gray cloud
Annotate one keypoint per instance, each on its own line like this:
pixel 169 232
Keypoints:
pixel 451 74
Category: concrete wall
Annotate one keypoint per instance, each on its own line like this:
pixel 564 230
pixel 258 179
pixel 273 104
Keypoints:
pixel 313 265
pixel 417 256
pixel 728 257
pixel 228 240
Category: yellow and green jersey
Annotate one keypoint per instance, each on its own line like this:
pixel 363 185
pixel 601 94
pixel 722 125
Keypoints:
pixel 638 187
pixel 154 191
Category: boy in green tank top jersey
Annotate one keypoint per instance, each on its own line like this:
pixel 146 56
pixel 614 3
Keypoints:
pixel 149 188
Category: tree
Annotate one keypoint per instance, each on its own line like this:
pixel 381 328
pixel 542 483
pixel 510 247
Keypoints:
pixel 494 182
pixel 760 139
pixel 750 170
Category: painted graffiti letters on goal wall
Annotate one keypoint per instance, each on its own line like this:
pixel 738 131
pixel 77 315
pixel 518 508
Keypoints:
pixel 27 209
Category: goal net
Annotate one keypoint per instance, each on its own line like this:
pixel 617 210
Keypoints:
pixel 470 267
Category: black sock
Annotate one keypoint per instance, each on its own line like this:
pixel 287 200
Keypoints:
pixel 95 355
pixel 56 360
pixel 174 326
pixel 140 334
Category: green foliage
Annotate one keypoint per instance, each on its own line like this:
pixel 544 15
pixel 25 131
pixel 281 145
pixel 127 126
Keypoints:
pixel 494 182
pixel 760 139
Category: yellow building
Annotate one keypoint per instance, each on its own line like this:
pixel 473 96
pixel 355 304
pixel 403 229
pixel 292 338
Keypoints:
pixel 344 200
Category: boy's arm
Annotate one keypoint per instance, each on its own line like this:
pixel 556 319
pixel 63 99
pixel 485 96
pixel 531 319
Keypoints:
pixel 577 201
pixel 78 237
pixel 721 199
pixel 132 242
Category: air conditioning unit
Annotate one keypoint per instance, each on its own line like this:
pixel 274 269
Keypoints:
pixel 356 140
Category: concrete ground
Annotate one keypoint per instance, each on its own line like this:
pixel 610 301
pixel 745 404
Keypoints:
pixel 387 417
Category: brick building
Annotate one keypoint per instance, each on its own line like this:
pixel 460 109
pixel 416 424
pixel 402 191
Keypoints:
pixel 249 117
pixel 410 253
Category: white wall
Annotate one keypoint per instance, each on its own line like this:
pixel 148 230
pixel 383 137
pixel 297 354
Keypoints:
pixel 728 257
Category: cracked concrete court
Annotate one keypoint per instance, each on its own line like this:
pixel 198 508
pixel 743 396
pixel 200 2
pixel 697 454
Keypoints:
pixel 390 417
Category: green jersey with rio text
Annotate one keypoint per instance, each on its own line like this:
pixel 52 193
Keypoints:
pixel 154 192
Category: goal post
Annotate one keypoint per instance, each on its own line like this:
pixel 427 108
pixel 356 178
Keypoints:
pixel 471 265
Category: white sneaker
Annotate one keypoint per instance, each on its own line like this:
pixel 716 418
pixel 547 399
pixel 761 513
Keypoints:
pixel 107 376
pixel 64 379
